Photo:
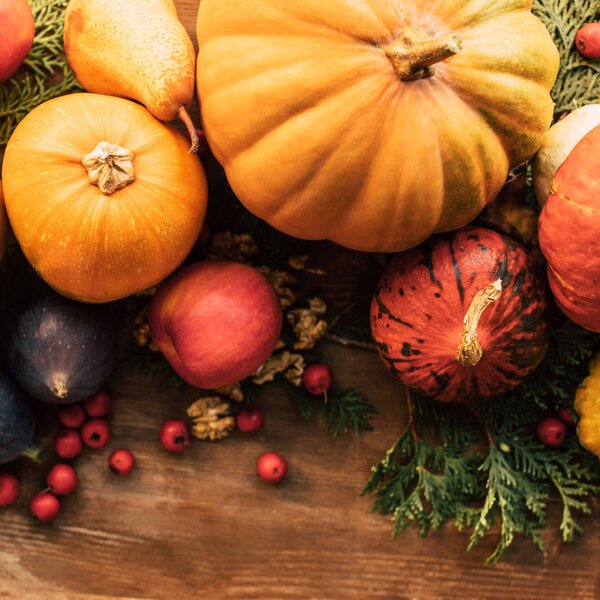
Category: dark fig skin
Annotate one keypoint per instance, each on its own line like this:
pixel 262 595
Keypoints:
pixel 16 419
pixel 62 351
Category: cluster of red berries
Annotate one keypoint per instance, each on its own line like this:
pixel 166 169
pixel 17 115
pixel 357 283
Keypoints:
pixel 271 466
pixel 553 430
pixel 83 424
pixel 86 424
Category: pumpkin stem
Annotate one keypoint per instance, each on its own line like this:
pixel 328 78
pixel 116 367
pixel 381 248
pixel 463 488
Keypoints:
pixel 110 167
pixel 469 351
pixel 182 113
pixel 414 53
pixel 60 390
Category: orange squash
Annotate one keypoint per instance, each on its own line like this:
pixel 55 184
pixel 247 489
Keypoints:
pixel 569 233
pixel 3 225
pixel 368 122
pixel 104 199
pixel 587 407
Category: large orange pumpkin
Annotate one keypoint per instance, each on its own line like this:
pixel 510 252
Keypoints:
pixel 3 225
pixel 373 123
pixel 104 199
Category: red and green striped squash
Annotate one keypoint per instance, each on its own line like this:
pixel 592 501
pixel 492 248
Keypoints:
pixel 569 233
pixel 462 316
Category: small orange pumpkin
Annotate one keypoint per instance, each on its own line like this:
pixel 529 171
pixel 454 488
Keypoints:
pixel 569 233
pixel 104 199
pixel 372 123
pixel 3 224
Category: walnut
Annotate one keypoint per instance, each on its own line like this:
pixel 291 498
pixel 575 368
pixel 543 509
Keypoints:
pixel 281 281
pixel 317 306
pixel 294 372
pixel 233 392
pixel 214 430
pixel 141 335
pixel 141 330
pixel 308 327
pixel 299 263
pixel 211 418
pixel 233 246
pixel 286 362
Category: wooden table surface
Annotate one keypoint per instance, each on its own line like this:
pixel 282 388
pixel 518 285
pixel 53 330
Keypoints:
pixel 202 525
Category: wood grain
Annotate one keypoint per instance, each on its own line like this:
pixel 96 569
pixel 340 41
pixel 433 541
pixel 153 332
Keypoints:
pixel 202 525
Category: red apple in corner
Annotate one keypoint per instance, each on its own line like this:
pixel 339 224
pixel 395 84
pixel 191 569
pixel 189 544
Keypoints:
pixel 16 35
pixel 215 322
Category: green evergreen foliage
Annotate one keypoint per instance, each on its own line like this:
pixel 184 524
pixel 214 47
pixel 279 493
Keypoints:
pixel 578 81
pixel 45 73
pixel 482 466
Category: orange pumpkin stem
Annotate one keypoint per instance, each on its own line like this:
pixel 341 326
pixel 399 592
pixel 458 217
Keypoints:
pixel 183 114
pixel 415 53
pixel 470 351
pixel 110 167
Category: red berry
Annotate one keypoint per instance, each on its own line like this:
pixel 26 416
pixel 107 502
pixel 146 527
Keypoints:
pixel 67 443
pixel 72 416
pixel 121 462
pixel 250 420
pixel 175 435
pixel 271 467
pixel 317 379
pixel 45 506
pixel 551 431
pixel 565 414
pixel 98 405
pixel 95 433
pixel 587 40
pixel 62 479
pixel 9 489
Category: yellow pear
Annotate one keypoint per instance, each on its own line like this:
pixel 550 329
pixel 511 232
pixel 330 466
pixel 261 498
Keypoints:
pixel 135 49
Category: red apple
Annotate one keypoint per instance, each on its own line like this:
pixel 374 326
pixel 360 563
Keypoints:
pixel 215 322
pixel 16 35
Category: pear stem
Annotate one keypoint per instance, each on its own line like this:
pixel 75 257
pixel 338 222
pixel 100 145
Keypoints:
pixel 183 114
pixel 470 351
